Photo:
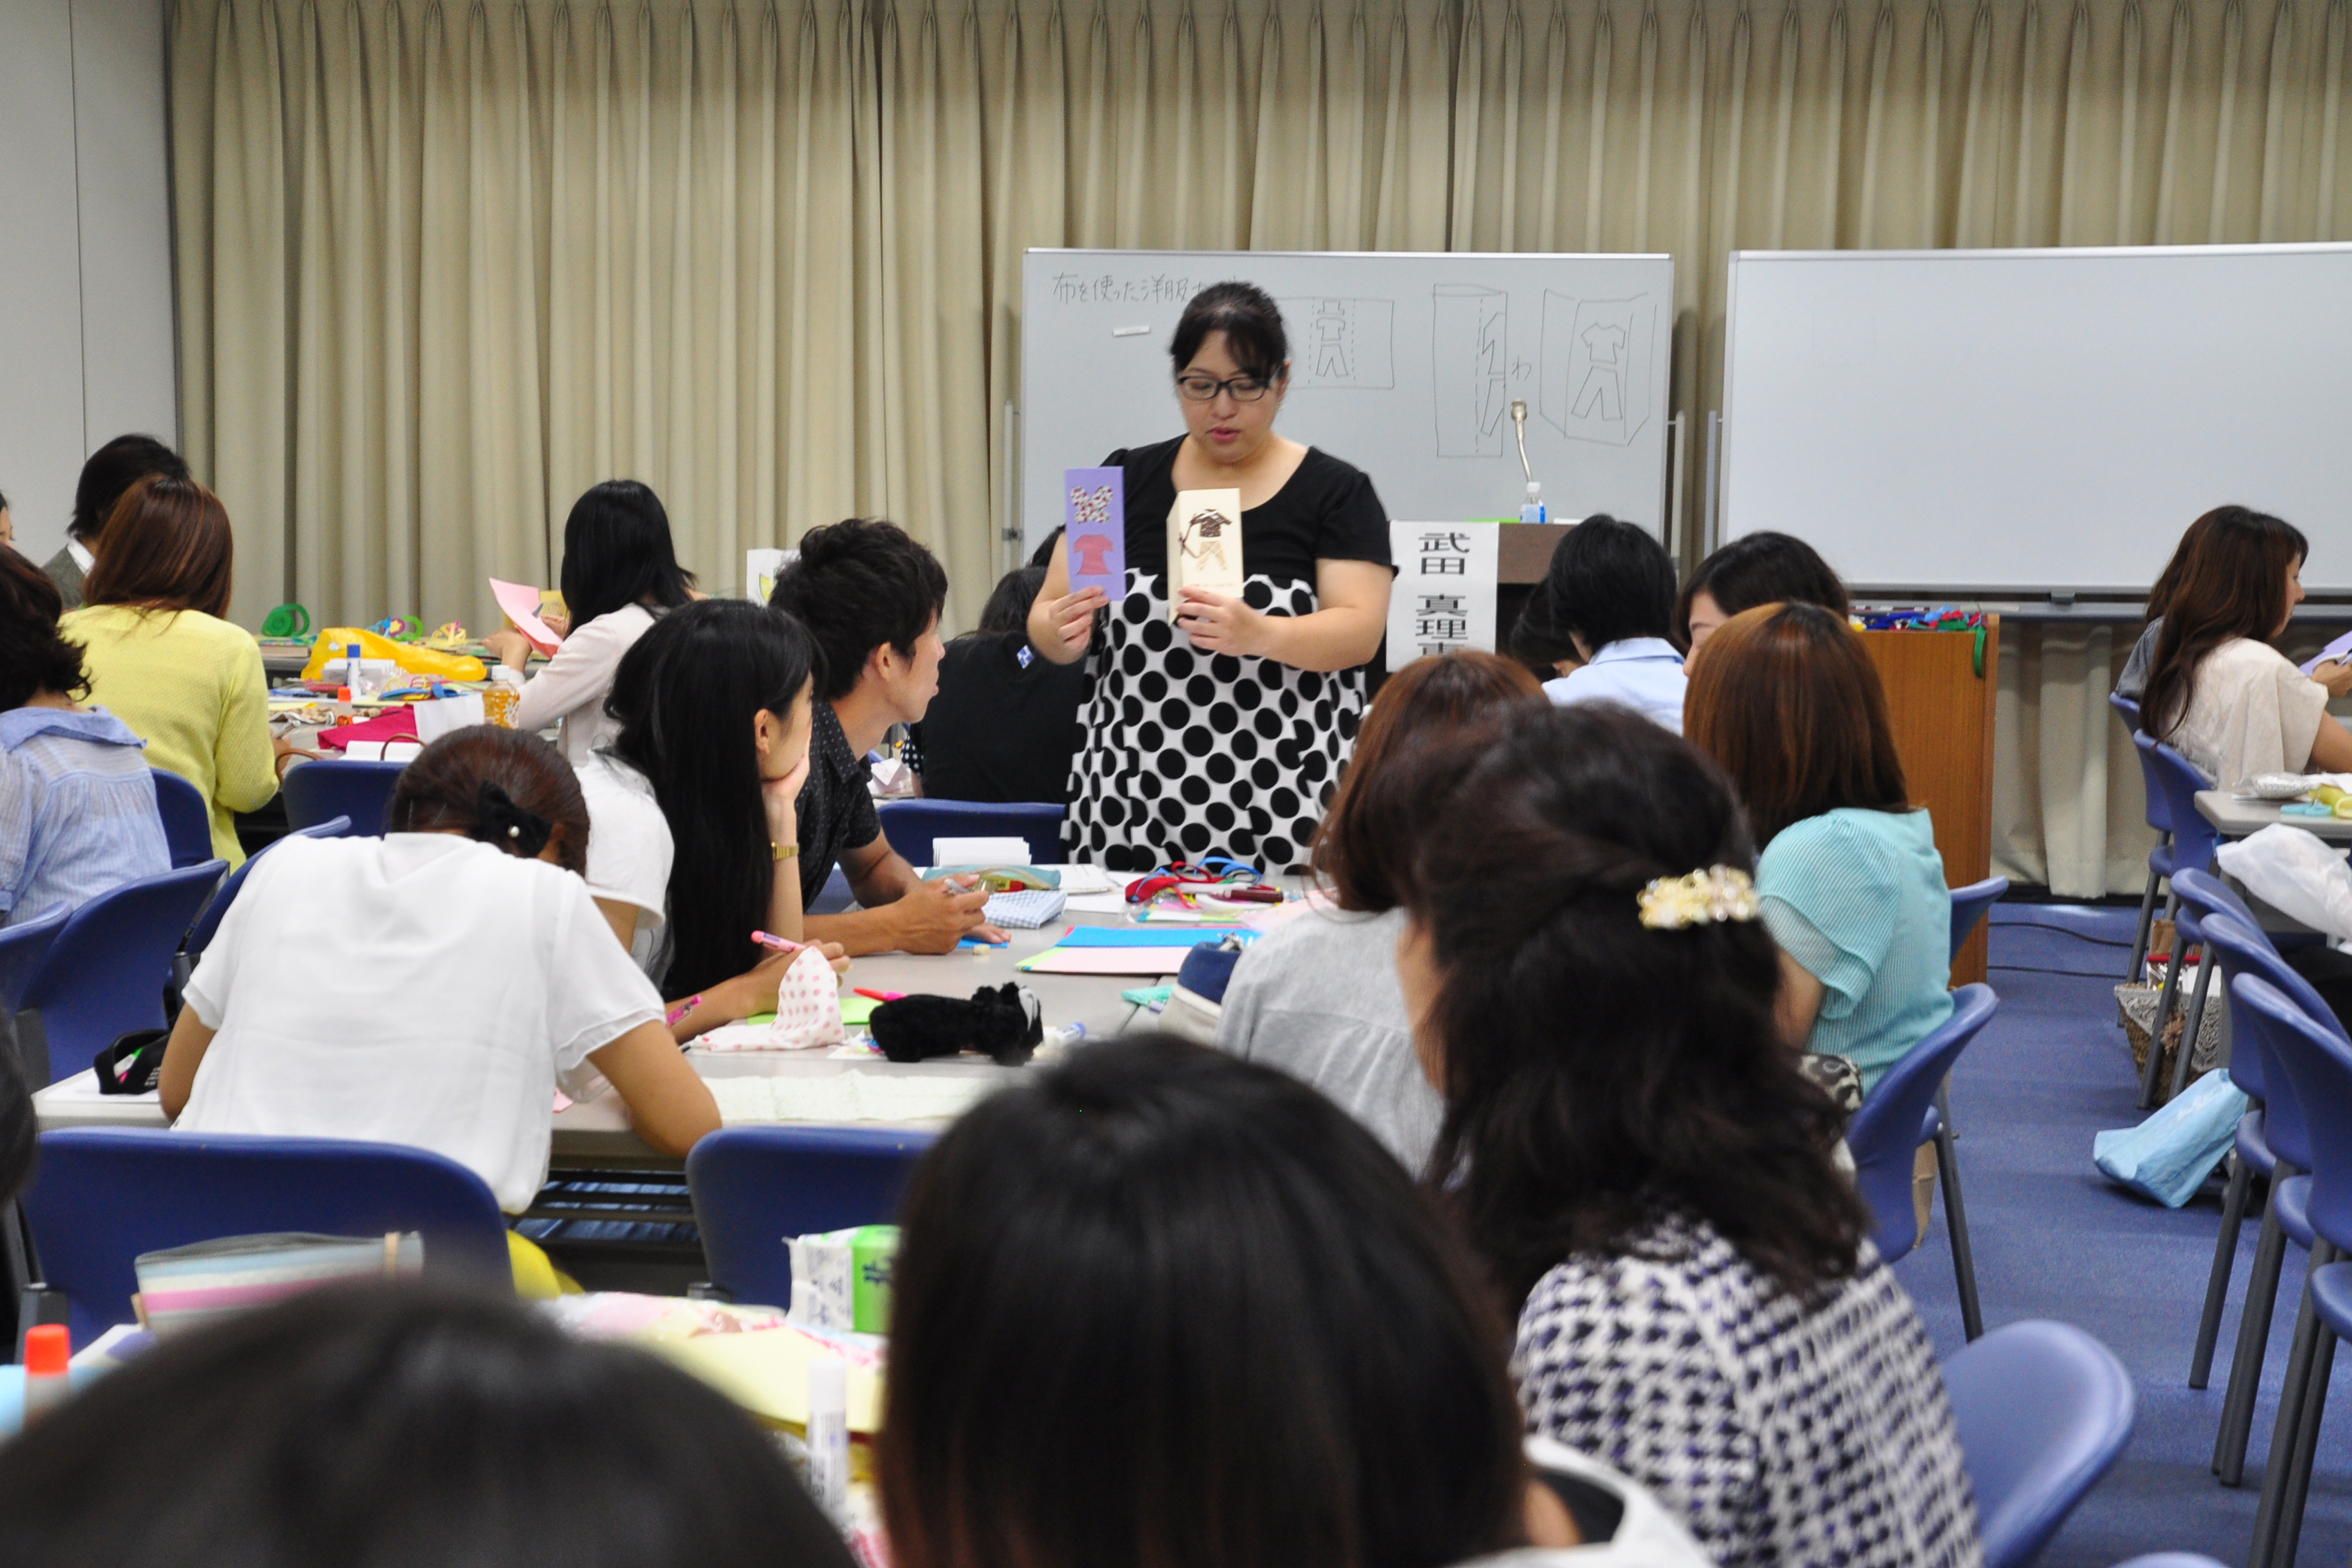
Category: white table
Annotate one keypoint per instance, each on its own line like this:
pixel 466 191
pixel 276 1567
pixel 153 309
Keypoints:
pixel 2234 818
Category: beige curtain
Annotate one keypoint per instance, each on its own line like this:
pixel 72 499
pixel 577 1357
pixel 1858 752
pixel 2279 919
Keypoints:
pixel 444 263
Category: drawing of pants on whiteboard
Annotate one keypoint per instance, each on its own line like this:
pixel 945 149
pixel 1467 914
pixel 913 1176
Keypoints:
pixel 1596 366
pixel 1341 343
pixel 1472 369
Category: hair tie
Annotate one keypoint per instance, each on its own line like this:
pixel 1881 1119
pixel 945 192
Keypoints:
pixel 1701 898
pixel 498 820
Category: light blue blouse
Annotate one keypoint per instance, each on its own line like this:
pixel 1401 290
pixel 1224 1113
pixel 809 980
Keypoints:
pixel 1644 674
pixel 78 813
pixel 1857 897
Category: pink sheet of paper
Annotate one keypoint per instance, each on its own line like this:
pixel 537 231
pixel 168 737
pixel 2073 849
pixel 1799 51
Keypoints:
pixel 520 602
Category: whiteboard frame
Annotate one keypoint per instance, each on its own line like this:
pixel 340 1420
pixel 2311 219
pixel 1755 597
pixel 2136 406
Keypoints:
pixel 1725 531
pixel 1019 522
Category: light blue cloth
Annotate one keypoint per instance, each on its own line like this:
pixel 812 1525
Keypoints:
pixel 1644 674
pixel 78 814
pixel 1857 897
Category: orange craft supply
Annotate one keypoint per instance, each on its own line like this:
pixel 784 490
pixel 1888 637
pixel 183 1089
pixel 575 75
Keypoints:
pixel 48 1350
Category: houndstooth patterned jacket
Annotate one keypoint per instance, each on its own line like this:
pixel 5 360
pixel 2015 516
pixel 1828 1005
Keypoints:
pixel 1784 1434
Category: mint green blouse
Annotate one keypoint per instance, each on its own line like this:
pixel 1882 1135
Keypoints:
pixel 1857 897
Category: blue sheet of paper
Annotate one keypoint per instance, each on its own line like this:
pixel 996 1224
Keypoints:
pixel 1094 514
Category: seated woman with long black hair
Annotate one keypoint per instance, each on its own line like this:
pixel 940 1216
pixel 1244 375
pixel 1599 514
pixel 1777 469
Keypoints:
pixel 696 841
pixel 1648 1175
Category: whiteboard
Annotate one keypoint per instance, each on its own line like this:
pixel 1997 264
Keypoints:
pixel 1958 420
pixel 1404 364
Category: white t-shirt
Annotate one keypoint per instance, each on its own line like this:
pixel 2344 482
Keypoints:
pixel 2250 711
pixel 419 988
pixel 629 853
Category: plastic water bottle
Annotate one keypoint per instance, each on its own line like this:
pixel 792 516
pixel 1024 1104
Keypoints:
pixel 49 1376
pixel 1532 509
pixel 828 1434
pixel 351 666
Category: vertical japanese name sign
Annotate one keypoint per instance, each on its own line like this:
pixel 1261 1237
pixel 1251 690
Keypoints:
pixel 1444 600
pixel 1094 518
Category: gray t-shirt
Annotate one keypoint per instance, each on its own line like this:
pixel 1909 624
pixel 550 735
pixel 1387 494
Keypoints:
pixel 2132 682
pixel 1317 998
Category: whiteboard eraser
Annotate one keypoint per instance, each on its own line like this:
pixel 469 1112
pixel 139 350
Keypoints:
pixel 1129 332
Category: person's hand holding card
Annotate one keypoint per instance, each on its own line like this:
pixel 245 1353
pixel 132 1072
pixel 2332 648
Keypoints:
pixel 1219 622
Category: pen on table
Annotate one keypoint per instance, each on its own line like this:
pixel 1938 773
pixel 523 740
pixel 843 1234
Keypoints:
pixel 775 943
pixel 878 995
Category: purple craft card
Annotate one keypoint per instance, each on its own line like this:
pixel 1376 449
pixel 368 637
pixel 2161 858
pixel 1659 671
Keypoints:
pixel 1095 514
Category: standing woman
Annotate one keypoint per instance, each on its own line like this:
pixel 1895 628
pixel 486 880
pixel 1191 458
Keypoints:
pixel 163 660
pixel 1224 733
pixel 620 570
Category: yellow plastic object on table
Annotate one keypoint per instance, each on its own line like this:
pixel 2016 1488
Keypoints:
pixel 334 641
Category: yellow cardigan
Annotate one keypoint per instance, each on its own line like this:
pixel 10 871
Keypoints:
pixel 191 687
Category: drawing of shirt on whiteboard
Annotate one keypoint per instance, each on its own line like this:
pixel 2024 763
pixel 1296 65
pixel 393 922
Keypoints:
pixel 1604 379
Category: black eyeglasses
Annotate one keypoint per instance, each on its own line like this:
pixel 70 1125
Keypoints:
pixel 1204 388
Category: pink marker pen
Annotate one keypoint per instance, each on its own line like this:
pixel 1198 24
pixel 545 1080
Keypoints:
pixel 776 943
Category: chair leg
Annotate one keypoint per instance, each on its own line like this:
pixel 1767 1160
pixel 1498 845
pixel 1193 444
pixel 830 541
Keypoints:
pixel 2225 1263
pixel 2287 1435
pixel 1944 1108
pixel 2146 919
pixel 1956 1220
pixel 2287 1535
pixel 2155 1070
pixel 2253 1340
pixel 2191 1027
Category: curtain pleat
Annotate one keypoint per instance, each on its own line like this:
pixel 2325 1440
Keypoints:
pixel 443 264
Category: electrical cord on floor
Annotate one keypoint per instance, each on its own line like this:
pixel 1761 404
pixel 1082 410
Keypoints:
pixel 2066 931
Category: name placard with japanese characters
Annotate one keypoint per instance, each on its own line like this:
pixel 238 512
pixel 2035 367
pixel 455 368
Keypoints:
pixel 1443 599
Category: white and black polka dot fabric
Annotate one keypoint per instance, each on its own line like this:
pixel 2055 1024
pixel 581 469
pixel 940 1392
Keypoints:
pixel 1189 753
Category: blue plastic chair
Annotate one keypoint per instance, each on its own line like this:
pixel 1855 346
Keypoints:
pixel 23 949
pixel 2171 1559
pixel 2042 1409
pixel 836 896
pixel 1971 904
pixel 2193 839
pixel 2159 860
pixel 2243 952
pixel 2317 1060
pixel 187 818
pixel 108 966
pixel 753 1186
pixel 912 825
pixel 102 1195
pixel 1899 1116
pixel 338 786
pixel 207 923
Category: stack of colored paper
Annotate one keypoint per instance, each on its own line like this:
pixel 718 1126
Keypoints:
pixel 1127 950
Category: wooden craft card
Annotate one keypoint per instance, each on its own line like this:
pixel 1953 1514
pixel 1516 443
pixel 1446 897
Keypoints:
pixel 1205 543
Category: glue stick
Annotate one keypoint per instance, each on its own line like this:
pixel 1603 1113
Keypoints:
pixel 48 1351
pixel 828 1434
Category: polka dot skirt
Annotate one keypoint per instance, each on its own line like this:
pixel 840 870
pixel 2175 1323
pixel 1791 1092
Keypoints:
pixel 1187 755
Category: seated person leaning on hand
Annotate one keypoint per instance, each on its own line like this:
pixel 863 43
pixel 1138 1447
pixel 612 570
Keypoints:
pixel 483 977
pixel 872 596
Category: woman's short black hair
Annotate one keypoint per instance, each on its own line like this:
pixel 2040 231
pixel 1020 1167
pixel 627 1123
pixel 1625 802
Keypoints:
pixel 617 552
pixel 112 470
pixel 1007 610
pixel 385 1426
pixel 686 696
pixel 1762 568
pixel 1598 1071
pixel 1251 321
pixel 1162 1306
pixel 1610 581
pixel 33 657
pixel 857 584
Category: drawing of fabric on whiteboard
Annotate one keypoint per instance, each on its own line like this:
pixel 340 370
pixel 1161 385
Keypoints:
pixel 1341 342
pixel 1472 377
pixel 1596 366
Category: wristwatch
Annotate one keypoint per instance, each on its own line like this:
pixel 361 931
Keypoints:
pixel 783 851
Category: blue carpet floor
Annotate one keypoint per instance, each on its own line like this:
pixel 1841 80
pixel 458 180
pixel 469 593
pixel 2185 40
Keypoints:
pixel 2054 1239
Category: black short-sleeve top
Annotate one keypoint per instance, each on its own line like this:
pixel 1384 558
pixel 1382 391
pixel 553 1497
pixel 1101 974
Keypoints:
pixel 1327 512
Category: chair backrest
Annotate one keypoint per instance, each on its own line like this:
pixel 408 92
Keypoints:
pixel 1970 905
pixel 2178 780
pixel 106 968
pixel 2240 948
pixel 23 947
pixel 1885 1131
pixel 753 1186
pixel 912 825
pixel 187 818
pixel 2041 1409
pixel 103 1195
pixel 2317 1061
pixel 207 923
pixel 2171 1559
pixel 2151 792
pixel 338 786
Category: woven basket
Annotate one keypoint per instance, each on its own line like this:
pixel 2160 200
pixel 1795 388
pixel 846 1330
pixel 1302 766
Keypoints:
pixel 2136 1009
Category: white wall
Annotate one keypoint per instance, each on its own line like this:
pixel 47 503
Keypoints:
pixel 87 347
